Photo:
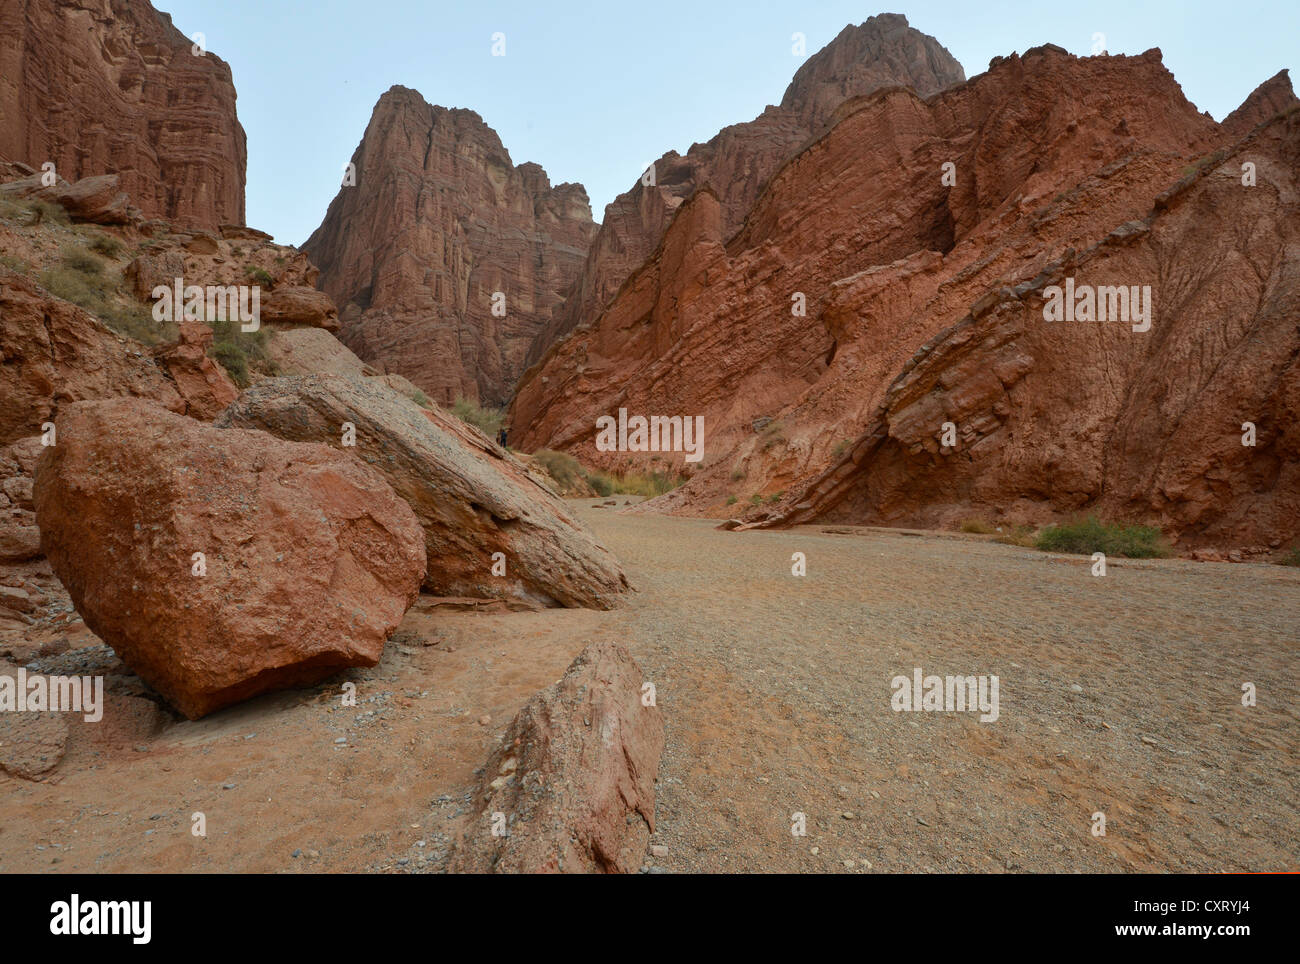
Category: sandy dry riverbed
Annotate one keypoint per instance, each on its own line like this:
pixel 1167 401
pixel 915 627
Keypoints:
pixel 1119 695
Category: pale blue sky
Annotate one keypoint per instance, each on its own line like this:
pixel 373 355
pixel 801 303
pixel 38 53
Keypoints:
pixel 593 91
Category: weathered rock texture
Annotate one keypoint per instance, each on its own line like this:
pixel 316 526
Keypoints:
pixel 439 220
pixel 574 775
pixel 1063 167
pixel 882 52
pixel 19 536
pixel 101 87
pixel 311 559
pixel 472 497
pixel 201 382
pixel 1271 97
pixel 97 200
pixel 52 352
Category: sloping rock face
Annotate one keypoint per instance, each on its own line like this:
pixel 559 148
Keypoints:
pixel 204 384
pixel 472 497
pixel 309 558
pixel 882 52
pixel 1151 425
pixel 574 776
pixel 439 221
pixel 1274 96
pixel 113 88
pixel 52 352
pixel 1055 157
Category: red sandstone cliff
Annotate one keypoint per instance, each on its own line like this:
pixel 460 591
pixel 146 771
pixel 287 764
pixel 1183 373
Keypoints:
pixel 110 86
pixel 439 220
pixel 882 52
pixel 924 305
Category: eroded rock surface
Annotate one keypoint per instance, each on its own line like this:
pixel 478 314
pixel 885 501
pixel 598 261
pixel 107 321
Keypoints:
pixel 574 776
pixel 309 560
pixel 472 497
pixel 103 88
pixel 439 221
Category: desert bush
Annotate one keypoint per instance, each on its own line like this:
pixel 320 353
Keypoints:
pixel 47 212
pixel 601 482
pixel 107 245
pixel 1024 536
pixel 732 500
pixel 259 275
pixel 90 290
pixel 76 258
pixel 14 264
pixel 420 399
pixel 1292 558
pixel 561 466
pixel 486 420
pixel 978 526
pixel 1088 535
pixel 773 434
pixel 648 485
pixel 240 352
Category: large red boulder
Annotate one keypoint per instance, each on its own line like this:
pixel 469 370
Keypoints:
pixel 491 530
pixel 309 560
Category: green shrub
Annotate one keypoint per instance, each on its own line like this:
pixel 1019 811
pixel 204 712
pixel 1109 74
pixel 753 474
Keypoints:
pixel 47 212
pixel 756 499
pixel 602 483
pixel 106 245
pixel 633 483
pixel 732 500
pixel 137 322
pixel 1292 558
pixel 14 264
pixel 840 448
pixel 1089 535
pixel 71 286
pixel 233 360
pixel 90 290
pixel 259 275
pixel 561 466
pixel 420 399
pixel 651 485
pixel 486 420
pixel 773 434
pixel 75 258
pixel 240 352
